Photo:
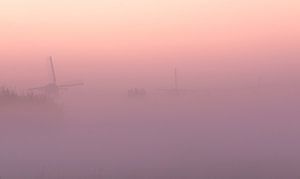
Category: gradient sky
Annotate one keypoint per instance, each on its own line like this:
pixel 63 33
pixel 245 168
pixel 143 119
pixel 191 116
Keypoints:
pixel 100 35
pixel 116 45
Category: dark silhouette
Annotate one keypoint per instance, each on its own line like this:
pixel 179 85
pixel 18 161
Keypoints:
pixel 52 89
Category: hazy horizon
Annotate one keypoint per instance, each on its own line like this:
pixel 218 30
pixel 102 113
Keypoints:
pixel 136 41
pixel 234 114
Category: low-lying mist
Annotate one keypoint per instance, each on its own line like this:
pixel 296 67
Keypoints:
pixel 250 133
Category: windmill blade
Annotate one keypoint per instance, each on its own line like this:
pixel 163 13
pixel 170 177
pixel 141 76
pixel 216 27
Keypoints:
pixel 70 85
pixel 37 88
pixel 52 70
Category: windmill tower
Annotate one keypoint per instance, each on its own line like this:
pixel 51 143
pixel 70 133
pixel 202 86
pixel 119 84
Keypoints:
pixel 175 89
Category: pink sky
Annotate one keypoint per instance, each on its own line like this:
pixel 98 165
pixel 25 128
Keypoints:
pixel 241 59
pixel 89 33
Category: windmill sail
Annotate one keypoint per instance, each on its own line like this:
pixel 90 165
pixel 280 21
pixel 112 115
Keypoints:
pixel 52 70
pixel 52 88
pixel 176 89
pixel 70 85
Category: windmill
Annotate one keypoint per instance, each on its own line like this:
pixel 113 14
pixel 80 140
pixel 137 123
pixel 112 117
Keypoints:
pixel 52 88
pixel 176 90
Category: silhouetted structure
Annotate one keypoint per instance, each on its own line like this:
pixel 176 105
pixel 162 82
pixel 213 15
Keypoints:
pixel 175 90
pixel 52 89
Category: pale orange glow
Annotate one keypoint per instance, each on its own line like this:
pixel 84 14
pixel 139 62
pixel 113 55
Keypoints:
pixel 120 29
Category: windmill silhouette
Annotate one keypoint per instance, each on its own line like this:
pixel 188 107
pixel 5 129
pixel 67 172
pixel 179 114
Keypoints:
pixel 176 90
pixel 53 88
